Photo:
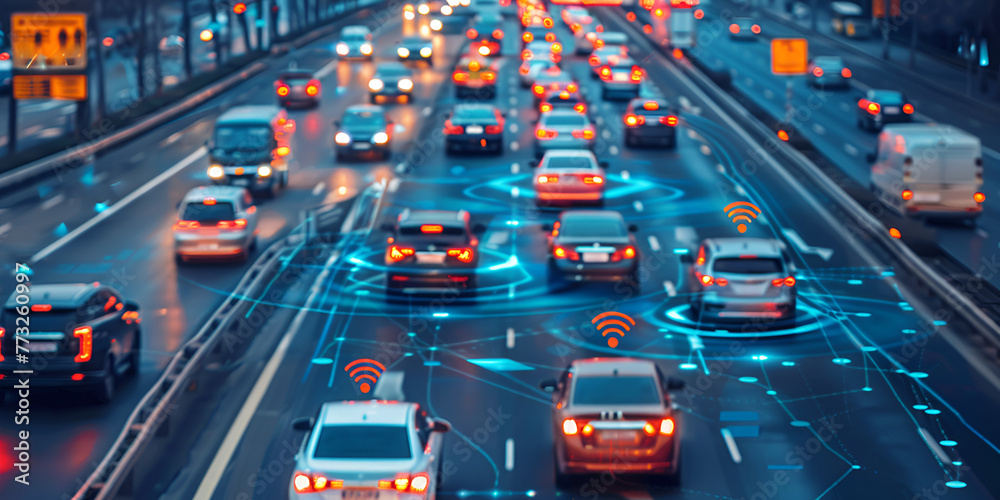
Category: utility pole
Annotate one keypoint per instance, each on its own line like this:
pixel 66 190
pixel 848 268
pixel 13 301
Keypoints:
pixel 186 34
pixel 99 61
pixel 886 12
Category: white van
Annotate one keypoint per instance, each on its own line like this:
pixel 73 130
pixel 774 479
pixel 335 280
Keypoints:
pixel 928 170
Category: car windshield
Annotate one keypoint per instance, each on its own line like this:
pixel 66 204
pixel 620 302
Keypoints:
pixel 592 227
pixel 570 162
pixel 363 442
pixel 565 121
pixel 363 119
pixel 829 62
pixel 887 97
pixel 352 37
pixel 616 390
pixel 250 137
pixel 221 210
pixel 54 320
pixel 747 266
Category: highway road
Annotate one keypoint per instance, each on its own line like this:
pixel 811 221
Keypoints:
pixel 870 394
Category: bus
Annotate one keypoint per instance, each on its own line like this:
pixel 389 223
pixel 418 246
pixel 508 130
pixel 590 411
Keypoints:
pixel 848 19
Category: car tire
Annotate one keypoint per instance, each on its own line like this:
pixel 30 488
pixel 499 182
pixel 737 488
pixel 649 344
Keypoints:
pixel 283 179
pixel 134 356
pixel 179 259
pixel 373 98
pixel 105 392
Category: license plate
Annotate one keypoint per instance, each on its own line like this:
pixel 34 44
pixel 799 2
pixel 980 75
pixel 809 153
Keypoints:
pixel 596 257
pixel 474 75
pixel 619 77
pixel 360 494
pixel 473 129
pixel 430 258
pixel 928 197
pixel 240 181
pixel 209 246
pixel 619 436
pixel 362 145
pixel 39 346
pixel 892 109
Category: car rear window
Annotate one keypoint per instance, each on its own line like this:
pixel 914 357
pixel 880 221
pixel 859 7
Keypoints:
pixel 209 213
pixel 393 70
pixel 296 75
pixel 475 115
pixel 888 98
pixel 595 227
pixel 445 231
pixel 569 162
pixel 233 137
pixel 363 441
pixel 748 266
pixel 616 390
pixel 352 37
pixel 565 120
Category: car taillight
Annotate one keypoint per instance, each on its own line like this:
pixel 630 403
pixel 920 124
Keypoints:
pixel 548 179
pixel 419 482
pixel 494 129
pixel 41 307
pixel 232 224
pixel 633 120
pixel 302 483
pixel 648 429
pixel 187 224
pixel 873 108
pixel 385 484
pixel 527 37
pixel 908 109
pixel 450 129
pixel 670 121
pixel 471 33
pixel 586 133
pixel 2 331
pixel 580 108
pixel 563 253
pixel 595 61
pixel 667 426
pixel 556 48
pixel 527 54
pixel 86 341
pixel 283 90
pixel 605 72
pixel 846 73
pixel 593 179
pixel 538 89
pixel 817 71
pixel 402 483
pixel 313 88
pixel 907 194
pixel 789 281
pixel 545 107
pixel 979 197
pixel 571 87
pixel 569 427
pixel 629 252
pixel 488 76
pixel 462 254
pixel 636 75
pixel 587 430
pixel 545 134
pixel 721 281
pixel 755 29
pixel 397 253
pixel 460 76
pixel 706 279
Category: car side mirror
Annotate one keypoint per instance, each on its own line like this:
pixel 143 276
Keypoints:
pixel 674 384
pixel 388 226
pixel 632 228
pixel 870 157
pixel 604 164
pixel 303 424
pixel 441 425
pixel 131 305
pixel 548 385
pixel 533 163
pixel 479 228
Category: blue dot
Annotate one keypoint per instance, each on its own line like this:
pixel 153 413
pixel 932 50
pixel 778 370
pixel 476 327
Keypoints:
pixel 362 292
pixel 688 366
pixel 322 361
pixel 800 423
pixel 771 393
pixel 869 348
pixel 100 207
pixel 955 484
pixel 888 273
pixel 787 363
pixel 920 407
pixel 855 466
pixel 909 331
pixel 748 380
pixel 932 412
pixel 841 361
pixel 941 323
pixel 907 308
pixel 854 282
pixel 863 315
pixel 61 230
pixel 956 463
pixel 408 354
pixel 411 334
pixel 918 374
pixel 949 442
pixel 866 389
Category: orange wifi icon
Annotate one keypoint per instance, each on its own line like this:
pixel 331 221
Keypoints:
pixel 612 324
pixel 738 211
pixel 366 369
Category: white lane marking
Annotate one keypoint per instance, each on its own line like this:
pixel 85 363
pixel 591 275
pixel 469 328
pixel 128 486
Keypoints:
pixel 606 134
pixel 426 111
pixel 511 339
pixel 705 150
pixel 625 174
pixel 319 188
pixel 394 184
pixel 513 113
pixel 684 102
pixel 851 150
pixel 401 167
pixel 740 190
pixel 509 459
pixel 51 202
pixel 654 243
pixel 613 150
pixel 498 238
pixel 4 228
pixel 515 167
pixel 823 253
pixel 513 101
pixel 51 132
pixel 992 153
pixel 239 426
pixel 669 287
pixel 599 120
pixel 326 70
pixel 637 205
pixel 181 165
pixel 514 146
pixel 720 168
pixel 734 451
pixel 513 128
pixel 934 446
pixel 31 130
pixel 819 129
pixel 982 233
pixel 768 94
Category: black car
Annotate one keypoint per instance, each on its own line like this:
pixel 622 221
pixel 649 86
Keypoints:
pixel 487 32
pixel 416 49
pixel 474 128
pixel 392 80
pixel 592 245
pixel 431 250
pixel 298 87
pixel 82 337
pixel 879 107
pixel 650 121
pixel 364 129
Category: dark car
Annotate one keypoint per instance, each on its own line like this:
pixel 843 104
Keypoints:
pixel 364 129
pixel 431 250
pixel 474 128
pixel 298 88
pixel 475 76
pixel 879 107
pixel 486 32
pixel 553 78
pixel 392 80
pixel 82 337
pixel 416 49
pixel 592 244
pixel 650 122
pixel 622 80
pixel 251 148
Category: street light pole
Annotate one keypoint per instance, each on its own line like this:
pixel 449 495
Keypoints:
pixel 886 7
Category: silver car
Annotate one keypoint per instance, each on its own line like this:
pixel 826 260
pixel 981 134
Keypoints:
pixel 563 129
pixel 215 222
pixel 369 450
pixel 355 43
pixel 828 72
pixel 737 279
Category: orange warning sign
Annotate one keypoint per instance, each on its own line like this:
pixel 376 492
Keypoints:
pixel 789 56
pixel 66 87
pixel 48 42
pixel 878 8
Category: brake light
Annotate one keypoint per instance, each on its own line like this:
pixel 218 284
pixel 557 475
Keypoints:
pixel 526 54
pixel 734 28
pixel 450 129
pixel 569 427
pixel 2 331
pixel 979 197
pixel 301 482
pixel 494 129
pixel 545 107
pixel 908 108
pixel 232 224
pixel 462 254
pixel 777 282
pixel 846 73
pixel 587 430
pixel 790 281
pixel 636 75
pixel 598 43
pixel 282 150
pixel 418 484
pixel 85 334
pixel 605 72
pixel 648 429
pixel 564 94
pixel 211 201
pixel 669 121
pixel 873 108
pixel 471 33
pixel 651 105
pixel 595 61
pixel 313 88
pixel 398 253
pixel 629 252
pixel 431 228
pixel 538 89
pixel 556 48
pixel 907 194
pixel 817 71
pixel 547 22
pixel 545 134
pixel 488 76
pixel 385 484
pixel 587 133
pixel 593 180
pixel 707 280
pixel 667 426
pixel 580 108
pixel 701 256
pixel 527 37
pixel 402 483
pixel 548 179
pixel 722 282
pixel 460 76
pixel 283 90
pixel 633 120
pixel 41 307
pixel 186 224
pixel 498 34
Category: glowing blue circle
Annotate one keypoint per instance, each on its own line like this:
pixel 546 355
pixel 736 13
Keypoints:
pixel 841 361
pixel 949 442
pixel 787 363
pixel 690 327
pixel 800 423
pixel 322 361
pixel 854 282
pixel 956 463
pixel 863 315
pixel 909 331
pixel 748 380
pixel 855 466
pixel 869 348
pixel 771 393
pixel 932 412
pixel 955 484
pixel 866 389
pixel 918 375
pixel 688 366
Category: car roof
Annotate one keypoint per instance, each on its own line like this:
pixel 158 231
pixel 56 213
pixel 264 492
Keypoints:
pixel 451 218
pixel 226 193
pixel 355 29
pixel 931 133
pixel 255 114
pixel 591 214
pixel 734 247
pixel 59 295
pixel 364 108
pixel 609 366
pixel 828 60
pixel 366 412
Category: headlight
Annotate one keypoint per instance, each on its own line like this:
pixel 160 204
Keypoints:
pixel 216 172
pixel 366 49
pixel 342 138
pixel 264 171
pixel 408 15
pixel 446 10
pixel 342 49
pixel 465 3
pixel 380 138
pixel 403 52
pixel 423 9
pixel 453 3
pixel 405 84
pixel 436 24
pixel 425 52
pixel 375 85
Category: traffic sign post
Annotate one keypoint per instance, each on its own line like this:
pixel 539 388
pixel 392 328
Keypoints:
pixel 789 56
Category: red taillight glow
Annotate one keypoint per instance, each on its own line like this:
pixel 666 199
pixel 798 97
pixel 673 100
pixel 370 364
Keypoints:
pixel 545 134
pixel 402 483
pixel 908 109
pixel 450 129
pixel 569 427
pixel 629 252
pixel 232 224
pixel 557 48
pixel 418 484
pixel 907 194
pixel 462 254
pixel 651 105
pixel 545 107
pixel 979 197
pixel 471 33
pixel 669 121
pixel 846 73
pixel 548 179
pixel 187 224
pixel 312 90
pixel 667 426
pixel 584 133
pixel 587 430
pixel 593 180
pixel 282 90
pixel 398 253
pixel 790 281
pixel 301 482
pixel 41 307
pixel 755 29
pixel 85 334
pixel 707 280
pixel 595 61
pixel 494 129
pixel 431 228
pixel 385 484
pixel 873 108
pixel 722 282
pixel 818 71
pixel 2 331
pixel 648 429
pixel 538 89
pixel 734 28
pixel 460 76
pixel 605 72
pixel 498 34
pixel 633 120
pixel 527 37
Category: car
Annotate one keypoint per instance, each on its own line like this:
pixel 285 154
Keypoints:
pixel 569 177
pixel 475 76
pixel 474 128
pixel 416 49
pixel 562 99
pixel 355 43
pixel 85 335
pixel 576 17
pixel 369 449
pixel 614 414
pixel 880 107
pixel 537 17
pixel 650 121
pixel 552 79
pixel 592 245
pixel 6 76
pixel 215 222
pixel 446 18
pixel 621 81
pixel 736 279
pixel 391 80
pixel 563 129
pixel 298 87
pixel 537 33
pixel 486 35
pixel 603 38
pixel 363 130
pixel 609 55
pixel 540 49
pixel 743 28
pixel 828 72
pixel 530 69
pixel 250 148
pixel 431 250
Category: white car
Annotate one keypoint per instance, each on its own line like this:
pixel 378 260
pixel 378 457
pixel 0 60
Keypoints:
pixel 215 222
pixel 529 70
pixel 569 177
pixel 369 450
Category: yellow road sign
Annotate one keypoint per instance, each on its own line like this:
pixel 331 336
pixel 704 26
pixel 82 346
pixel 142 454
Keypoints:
pixel 789 56
pixel 42 41
pixel 66 87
